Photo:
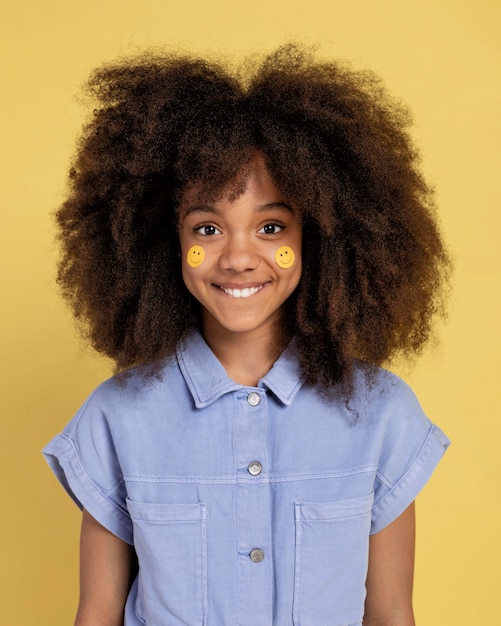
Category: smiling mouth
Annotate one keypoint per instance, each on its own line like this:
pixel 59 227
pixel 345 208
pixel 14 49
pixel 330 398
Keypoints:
pixel 247 292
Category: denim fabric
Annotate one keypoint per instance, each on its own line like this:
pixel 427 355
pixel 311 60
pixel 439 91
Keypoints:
pixel 168 465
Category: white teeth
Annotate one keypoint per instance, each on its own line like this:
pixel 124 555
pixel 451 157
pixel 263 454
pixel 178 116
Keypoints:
pixel 242 293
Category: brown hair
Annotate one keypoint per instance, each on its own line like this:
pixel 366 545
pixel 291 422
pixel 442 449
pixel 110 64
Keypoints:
pixel 336 145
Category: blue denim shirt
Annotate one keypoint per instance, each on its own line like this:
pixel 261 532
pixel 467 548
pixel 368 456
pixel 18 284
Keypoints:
pixel 246 506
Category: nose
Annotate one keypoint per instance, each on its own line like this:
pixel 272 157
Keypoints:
pixel 239 254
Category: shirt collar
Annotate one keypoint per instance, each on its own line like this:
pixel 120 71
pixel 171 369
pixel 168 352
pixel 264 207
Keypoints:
pixel 207 379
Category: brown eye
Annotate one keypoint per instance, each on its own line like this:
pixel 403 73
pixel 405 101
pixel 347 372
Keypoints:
pixel 207 229
pixel 271 229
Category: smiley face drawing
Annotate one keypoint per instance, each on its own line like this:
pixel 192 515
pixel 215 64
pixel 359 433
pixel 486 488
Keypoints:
pixel 284 257
pixel 195 256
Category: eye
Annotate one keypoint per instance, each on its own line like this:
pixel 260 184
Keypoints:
pixel 207 230
pixel 270 229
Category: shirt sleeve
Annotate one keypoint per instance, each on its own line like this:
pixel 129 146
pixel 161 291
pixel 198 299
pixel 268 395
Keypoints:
pixel 411 447
pixel 84 460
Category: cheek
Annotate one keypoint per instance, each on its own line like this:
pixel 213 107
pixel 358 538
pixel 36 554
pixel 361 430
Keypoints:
pixel 297 271
pixel 191 280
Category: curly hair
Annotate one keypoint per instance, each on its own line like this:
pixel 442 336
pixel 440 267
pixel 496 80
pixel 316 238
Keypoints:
pixel 338 148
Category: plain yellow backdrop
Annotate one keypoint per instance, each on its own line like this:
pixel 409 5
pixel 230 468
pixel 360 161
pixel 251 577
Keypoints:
pixel 442 57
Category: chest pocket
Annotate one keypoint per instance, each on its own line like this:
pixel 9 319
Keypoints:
pixel 170 541
pixel 332 548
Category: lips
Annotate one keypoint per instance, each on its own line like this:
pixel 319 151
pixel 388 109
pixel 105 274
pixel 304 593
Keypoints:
pixel 246 292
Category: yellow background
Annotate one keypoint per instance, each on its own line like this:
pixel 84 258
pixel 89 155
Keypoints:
pixel 442 57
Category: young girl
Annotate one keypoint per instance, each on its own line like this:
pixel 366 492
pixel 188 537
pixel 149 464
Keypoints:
pixel 249 248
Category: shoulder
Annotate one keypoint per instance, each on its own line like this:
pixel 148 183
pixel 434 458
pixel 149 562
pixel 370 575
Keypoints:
pixel 128 393
pixel 137 382
pixel 379 394
pixel 387 408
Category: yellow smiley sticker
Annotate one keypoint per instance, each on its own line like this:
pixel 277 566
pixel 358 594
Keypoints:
pixel 195 256
pixel 284 257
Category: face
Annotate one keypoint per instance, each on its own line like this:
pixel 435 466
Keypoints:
pixel 241 258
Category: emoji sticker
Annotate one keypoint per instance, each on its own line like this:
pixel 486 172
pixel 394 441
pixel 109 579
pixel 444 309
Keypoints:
pixel 284 257
pixel 195 256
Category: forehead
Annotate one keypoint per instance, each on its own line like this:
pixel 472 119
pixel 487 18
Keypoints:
pixel 253 182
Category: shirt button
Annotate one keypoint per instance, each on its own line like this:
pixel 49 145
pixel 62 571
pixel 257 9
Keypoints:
pixel 255 468
pixel 256 555
pixel 253 399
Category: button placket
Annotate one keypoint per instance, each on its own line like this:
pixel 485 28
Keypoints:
pixel 255 468
pixel 253 504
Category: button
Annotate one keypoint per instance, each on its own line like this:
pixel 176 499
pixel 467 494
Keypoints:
pixel 256 555
pixel 253 399
pixel 255 468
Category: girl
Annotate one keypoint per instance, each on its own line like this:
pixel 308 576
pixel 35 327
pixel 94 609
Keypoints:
pixel 249 248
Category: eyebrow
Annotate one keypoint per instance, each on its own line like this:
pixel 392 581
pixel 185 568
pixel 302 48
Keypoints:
pixel 203 208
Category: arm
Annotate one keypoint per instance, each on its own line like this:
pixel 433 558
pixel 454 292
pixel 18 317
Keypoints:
pixel 106 567
pixel 390 573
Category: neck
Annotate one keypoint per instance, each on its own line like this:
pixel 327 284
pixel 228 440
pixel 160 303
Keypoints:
pixel 246 357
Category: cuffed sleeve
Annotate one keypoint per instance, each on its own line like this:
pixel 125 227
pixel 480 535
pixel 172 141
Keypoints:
pixel 399 496
pixel 410 450
pixel 84 460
